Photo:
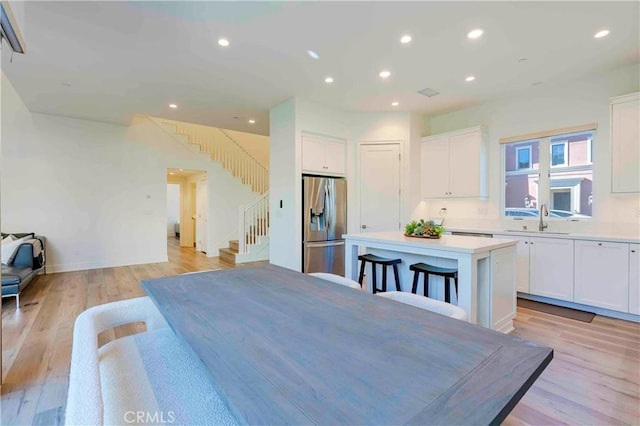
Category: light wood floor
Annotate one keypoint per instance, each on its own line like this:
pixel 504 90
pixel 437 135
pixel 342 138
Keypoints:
pixel 594 378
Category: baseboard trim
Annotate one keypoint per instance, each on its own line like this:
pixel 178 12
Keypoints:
pixel 598 311
pixel 84 266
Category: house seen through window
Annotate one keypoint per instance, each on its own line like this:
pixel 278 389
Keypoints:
pixel 555 170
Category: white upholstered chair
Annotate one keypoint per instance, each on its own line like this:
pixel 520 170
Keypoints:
pixel 426 303
pixel 152 372
pixel 336 279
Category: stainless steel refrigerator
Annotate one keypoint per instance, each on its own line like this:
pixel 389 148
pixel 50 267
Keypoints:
pixel 324 220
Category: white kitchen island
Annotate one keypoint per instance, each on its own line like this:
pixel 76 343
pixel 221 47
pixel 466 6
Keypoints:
pixel 486 270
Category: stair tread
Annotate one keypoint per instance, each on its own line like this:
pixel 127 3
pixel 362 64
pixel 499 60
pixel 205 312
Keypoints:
pixel 228 250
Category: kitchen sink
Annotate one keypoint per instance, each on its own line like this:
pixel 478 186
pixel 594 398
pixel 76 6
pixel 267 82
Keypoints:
pixel 538 232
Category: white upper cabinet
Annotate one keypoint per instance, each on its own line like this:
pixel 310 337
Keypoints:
pixel 435 168
pixel 551 267
pixel 634 279
pixel 454 165
pixel 323 155
pixel 625 143
pixel 602 274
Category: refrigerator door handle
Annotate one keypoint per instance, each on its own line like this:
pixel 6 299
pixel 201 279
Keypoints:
pixel 326 244
pixel 327 202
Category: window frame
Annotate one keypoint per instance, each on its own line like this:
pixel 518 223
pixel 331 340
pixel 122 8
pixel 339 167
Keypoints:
pixel 523 148
pixel 565 147
pixel 545 169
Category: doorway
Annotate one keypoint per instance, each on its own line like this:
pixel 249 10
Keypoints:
pixel 379 186
pixel 173 210
pixel 193 201
pixel 201 214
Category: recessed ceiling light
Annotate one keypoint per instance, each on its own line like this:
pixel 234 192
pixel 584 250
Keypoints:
pixel 313 54
pixel 602 33
pixel 385 74
pixel 181 170
pixel 469 78
pixel 174 106
pixel 473 34
pixel 223 42
pixel 405 39
pixel 171 173
pixel 328 80
pixel 252 121
pixel 395 103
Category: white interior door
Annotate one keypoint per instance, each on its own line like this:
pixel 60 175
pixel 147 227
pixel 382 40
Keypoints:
pixel 201 215
pixel 379 187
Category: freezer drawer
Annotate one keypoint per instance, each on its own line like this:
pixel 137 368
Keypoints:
pixel 326 256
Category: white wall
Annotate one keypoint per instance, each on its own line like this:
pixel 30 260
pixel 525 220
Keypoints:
pixel 543 108
pixel 284 222
pixel 98 191
pixel 173 208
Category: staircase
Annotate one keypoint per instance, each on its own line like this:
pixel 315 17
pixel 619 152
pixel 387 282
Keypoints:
pixel 253 245
pixel 222 148
pixel 253 219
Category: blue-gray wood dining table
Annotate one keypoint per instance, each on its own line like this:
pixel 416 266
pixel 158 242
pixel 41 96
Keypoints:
pixel 287 348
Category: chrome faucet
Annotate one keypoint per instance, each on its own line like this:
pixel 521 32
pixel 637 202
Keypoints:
pixel 543 212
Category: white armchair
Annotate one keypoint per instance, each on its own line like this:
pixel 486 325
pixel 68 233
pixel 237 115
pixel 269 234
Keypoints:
pixel 426 303
pixel 152 373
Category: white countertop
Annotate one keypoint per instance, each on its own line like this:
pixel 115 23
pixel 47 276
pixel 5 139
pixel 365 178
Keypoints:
pixel 548 234
pixel 450 243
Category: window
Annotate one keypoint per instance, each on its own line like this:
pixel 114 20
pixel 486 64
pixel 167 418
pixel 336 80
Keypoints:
pixel 559 154
pixel 563 180
pixel 523 158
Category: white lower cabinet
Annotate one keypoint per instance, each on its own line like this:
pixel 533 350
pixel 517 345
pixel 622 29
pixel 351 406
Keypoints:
pixel 551 267
pixel 602 274
pixel 595 273
pixel 634 279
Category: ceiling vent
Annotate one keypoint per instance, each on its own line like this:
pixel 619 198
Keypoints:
pixel 428 92
pixel 9 30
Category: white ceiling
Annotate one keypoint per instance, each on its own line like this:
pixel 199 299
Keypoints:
pixel 123 58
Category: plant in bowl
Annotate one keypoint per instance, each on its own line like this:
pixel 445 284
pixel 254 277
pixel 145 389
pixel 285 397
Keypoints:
pixel 422 228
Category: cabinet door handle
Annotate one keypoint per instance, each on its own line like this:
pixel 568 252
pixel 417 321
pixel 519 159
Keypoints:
pixel 633 251
pixel 600 244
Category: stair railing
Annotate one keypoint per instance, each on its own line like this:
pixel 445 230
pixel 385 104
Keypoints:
pixel 225 150
pixel 253 220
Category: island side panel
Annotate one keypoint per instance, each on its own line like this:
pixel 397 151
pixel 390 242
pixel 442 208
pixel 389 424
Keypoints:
pixel 503 291
pixel 351 259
